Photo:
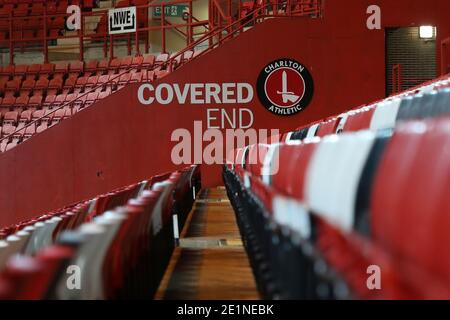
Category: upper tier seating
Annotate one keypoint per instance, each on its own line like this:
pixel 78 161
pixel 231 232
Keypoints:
pixel 121 242
pixel 41 89
pixel 317 212
pixel 28 19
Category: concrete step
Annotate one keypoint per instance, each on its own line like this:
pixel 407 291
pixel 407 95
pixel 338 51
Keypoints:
pixel 106 4
pixel 68 41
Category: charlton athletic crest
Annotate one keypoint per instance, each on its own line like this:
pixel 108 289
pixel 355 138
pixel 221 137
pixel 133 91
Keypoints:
pixel 285 87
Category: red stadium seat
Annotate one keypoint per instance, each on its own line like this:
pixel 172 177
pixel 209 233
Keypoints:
pixel 11 118
pixel 20 71
pixel 102 67
pixel 25 116
pixel 29 131
pixel 359 120
pixel 8 102
pixel 59 101
pixel 12 86
pixel 91 98
pixel 8 129
pixel 46 70
pixel 33 71
pixel 28 85
pixel 76 68
pixel 114 66
pixel 137 62
pixel 125 63
pixel 289 159
pixel 409 201
pixel 91 82
pixel 35 101
pixel 148 61
pixel 124 79
pixel 22 101
pixel 61 69
pixel 70 83
pixel 81 82
pixel 41 84
pixel 136 77
pixel 55 86
pixel 328 127
pixel 91 68
pixel 161 58
pixel 49 100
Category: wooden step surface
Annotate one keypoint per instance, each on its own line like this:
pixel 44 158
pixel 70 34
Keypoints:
pixel 211 262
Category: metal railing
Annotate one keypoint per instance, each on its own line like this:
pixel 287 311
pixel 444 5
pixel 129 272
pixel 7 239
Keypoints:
pixel 214 37
pixel 101 37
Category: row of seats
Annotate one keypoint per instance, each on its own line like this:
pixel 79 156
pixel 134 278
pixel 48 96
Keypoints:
pixel 316 213
pixel 120 243
pixel 33 121
pixel 28 19
pixel 52 3
pixel 83 86
pixel 23 8
pixel 426 101
pixel 25 79
pixel 248 7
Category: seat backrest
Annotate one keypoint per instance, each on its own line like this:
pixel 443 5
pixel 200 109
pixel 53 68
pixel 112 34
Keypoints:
pixel 328 127
pixel 359 120
pixel 385 114
pixel 410 196
pixel 334 174
pixel 289 168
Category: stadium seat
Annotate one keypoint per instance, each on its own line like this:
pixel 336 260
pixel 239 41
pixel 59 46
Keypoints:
pixel 148 61
pixel 398 204
pixel 76 68
pixel 137 62
pixel 125 63
pixel 55 86
pixel 102 67
pixel 49 101
pixel 70 83
pixel 90 68
pixel 91 83
pixel 114 66
pixel 33 71
pixel 90 99
pixel 35 101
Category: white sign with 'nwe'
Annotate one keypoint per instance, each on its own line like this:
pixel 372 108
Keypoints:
pixel 122 20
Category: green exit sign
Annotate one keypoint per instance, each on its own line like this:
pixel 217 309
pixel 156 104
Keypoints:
pixel 173 10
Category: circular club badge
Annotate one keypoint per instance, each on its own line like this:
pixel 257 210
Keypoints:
pixel 285 87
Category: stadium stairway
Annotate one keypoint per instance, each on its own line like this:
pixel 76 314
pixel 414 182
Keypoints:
pixel 210 251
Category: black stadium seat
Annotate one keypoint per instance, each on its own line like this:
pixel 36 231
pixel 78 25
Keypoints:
pixel 350 200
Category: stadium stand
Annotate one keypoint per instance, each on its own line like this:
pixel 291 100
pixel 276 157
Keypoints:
pixel 39 89
pixel 319 207
pixel 121 240
pixel 27 22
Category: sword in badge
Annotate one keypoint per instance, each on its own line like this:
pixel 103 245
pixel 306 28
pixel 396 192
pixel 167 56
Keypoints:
pixel 286 95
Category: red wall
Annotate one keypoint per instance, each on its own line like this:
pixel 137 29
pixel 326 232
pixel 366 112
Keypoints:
pixel 118 141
